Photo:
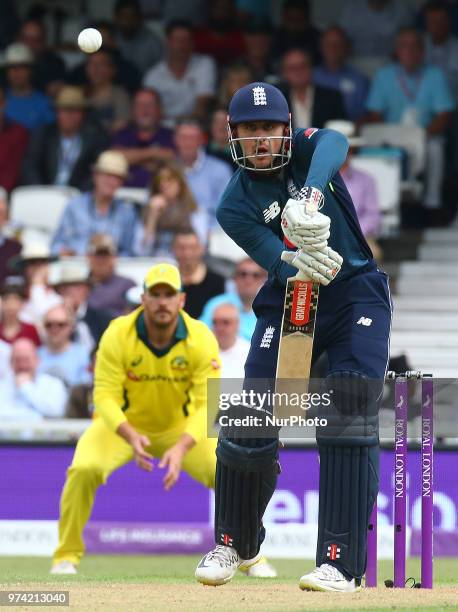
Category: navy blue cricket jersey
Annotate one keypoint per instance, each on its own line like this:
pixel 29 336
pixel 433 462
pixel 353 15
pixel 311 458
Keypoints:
pixel 250 208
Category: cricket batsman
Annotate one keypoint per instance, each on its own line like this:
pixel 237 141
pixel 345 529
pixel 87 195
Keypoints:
pixel 264 210
pixel 150 399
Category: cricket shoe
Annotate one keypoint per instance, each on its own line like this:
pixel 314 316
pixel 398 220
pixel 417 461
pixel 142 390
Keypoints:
pixel 259 567
pixel 328 578
pixel 63 567
pixel 218 566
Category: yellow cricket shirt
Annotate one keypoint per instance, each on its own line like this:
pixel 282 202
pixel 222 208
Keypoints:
pixel 155 390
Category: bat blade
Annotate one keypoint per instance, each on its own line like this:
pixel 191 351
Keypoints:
pixel 297 331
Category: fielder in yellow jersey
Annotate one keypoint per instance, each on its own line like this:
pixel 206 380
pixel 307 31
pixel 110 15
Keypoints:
pixel 150 399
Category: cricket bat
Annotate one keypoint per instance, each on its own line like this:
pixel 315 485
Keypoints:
pixel 298 327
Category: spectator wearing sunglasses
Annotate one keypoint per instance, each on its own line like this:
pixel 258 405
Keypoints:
pixel 59 356
pixel 233 349
pixel 248 279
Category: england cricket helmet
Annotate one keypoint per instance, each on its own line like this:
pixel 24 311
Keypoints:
pixel 259 102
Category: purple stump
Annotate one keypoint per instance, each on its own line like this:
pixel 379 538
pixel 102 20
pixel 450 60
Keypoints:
pixel 371 566
pixel 400 481
pixel 427 437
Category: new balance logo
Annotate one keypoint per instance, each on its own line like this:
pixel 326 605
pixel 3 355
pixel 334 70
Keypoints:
pixel 271 212
pixel 333 552
pixel 267 337
pixel 364 321
pixel 259 96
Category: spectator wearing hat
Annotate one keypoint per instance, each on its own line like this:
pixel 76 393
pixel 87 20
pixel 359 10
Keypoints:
pixel 12 294
pixel 362 188
pixel 110 104
pixel 24 104
pixel 199 282
pixel 72 284
pixel 49 72
pixel 99 211
pixel 108 290
pixel 9 247
pixel 59 355
pixel 63 152
pixel 336 73
pixel 33 264
pixel 28 395
pixel 145 142
pixel 13 144
pixel 186 81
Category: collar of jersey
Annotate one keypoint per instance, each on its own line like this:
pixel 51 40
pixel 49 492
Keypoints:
pixel 180 334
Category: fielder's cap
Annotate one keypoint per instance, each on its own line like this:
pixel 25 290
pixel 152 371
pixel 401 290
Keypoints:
pixel 102 244
pixel 30 252
pixel 70 97
pixel 348 129
pixel 163 273
pixel 112 162
pixel 258 101
pixel 69 273
pixel 17 54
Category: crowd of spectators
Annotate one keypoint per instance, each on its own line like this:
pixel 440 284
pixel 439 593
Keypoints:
pixel 148 111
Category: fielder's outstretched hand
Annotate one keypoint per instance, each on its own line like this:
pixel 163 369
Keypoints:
pixel 143 459
pixel 172 459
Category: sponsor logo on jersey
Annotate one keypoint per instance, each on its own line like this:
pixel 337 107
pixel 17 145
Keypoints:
pixel 179 363
pixel 271 212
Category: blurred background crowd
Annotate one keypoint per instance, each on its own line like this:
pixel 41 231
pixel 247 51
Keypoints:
pixel 110 160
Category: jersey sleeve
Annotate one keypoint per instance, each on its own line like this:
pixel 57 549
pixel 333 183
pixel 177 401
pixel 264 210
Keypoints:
pixel 207 366
pixel 257 240
pixel 325 149
pixel 109 377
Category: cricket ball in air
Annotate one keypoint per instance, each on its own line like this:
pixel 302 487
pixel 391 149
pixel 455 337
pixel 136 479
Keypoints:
pixel 89 40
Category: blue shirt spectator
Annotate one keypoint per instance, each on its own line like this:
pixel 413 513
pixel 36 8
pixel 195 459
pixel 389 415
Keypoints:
pixel 24 105
pixel 31 110
pixel 335 73
pixel 59 356
pixel 71 365
pixel 248 278
pixel 247 317
pixel 397 92
pixel 81 219
pixel 207 176
pixel 99 212
pixel 26 394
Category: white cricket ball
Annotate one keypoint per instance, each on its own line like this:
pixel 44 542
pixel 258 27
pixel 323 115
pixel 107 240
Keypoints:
pixel 89 40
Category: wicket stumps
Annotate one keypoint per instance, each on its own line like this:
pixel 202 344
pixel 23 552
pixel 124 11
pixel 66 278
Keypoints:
pixel 401 400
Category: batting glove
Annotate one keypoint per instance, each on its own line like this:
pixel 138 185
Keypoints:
pixel 320 266
pixel 302 224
